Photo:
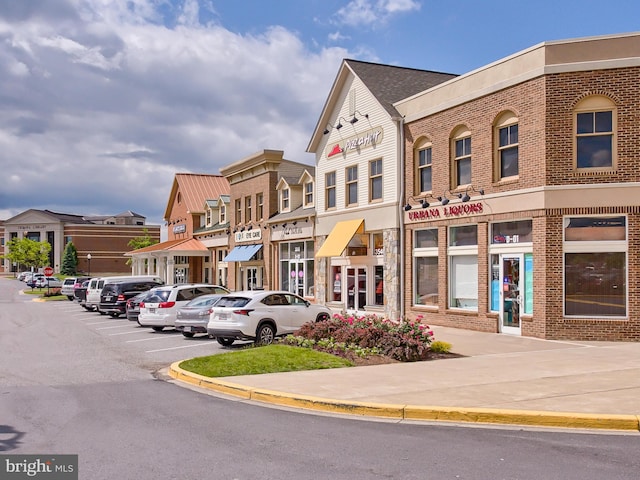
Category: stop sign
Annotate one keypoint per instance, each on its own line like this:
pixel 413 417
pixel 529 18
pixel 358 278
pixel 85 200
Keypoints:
pixel 48 271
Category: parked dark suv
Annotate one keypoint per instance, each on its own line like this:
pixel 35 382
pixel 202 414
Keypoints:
pixel 114 296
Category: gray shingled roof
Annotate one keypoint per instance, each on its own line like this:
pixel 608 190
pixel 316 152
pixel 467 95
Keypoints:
pixel 390 84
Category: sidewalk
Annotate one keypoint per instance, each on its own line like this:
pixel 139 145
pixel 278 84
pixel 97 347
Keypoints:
pixel 502 379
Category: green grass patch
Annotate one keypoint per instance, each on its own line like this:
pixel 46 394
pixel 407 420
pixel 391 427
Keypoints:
pixel 258 360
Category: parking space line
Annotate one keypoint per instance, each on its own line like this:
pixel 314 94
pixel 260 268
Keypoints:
pixel 128 333
pixel 115 326
pixel 101 323
pixel 147 339
pixel 175 348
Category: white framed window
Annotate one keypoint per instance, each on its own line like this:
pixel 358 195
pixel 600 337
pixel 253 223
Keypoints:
pixel 375 180
pixel 238 212
pixel 351 185
pixel 461 158
pixel 595 250
pixel 248 207
pixel 284 195
pixel 507 146
pixel 463 267
pixel 330 190
pixel 308 194
pixel 425 183
pixel 425 267
pixel 223 213
pixel 595 126
pixel 259 206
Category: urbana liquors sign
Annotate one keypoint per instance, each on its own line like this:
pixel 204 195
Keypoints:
pixel 367 139
pixel 448 211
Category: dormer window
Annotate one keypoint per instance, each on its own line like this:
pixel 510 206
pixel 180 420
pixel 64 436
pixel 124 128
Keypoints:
pixel 308 194
pixel 223 214
pixel 208 217
pixel 285 200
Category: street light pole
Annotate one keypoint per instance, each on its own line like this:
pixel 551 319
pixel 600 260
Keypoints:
pixel 89 263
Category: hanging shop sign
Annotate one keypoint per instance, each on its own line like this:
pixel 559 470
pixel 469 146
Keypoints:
pixel 180 228
pixel 448 211
pixel 359 142
pixel 248 235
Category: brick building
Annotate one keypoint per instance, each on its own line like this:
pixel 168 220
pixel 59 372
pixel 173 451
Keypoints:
pixel 522 194
pixel 105 238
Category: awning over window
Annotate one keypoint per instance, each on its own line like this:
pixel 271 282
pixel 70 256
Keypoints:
pixel 340 237
pixel 242 253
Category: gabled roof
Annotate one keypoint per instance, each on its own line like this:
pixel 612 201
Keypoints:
pixel 181 245
pixel 195 189
pixel 390 84
pixel 387 83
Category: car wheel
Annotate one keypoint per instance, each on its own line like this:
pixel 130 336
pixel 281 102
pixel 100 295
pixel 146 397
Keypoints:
pixel 322 317
pixel 225 342
pixel 157 329
pixel 101 312
pixel 114 315
pixel 265 335
pixel 188 334
pixel 70 297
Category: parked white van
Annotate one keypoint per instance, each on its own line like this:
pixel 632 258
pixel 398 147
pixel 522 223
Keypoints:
pixel 96 284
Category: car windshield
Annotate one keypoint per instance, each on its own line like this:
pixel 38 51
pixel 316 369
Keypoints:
pixel 157 296
pixel 232 302
pixel 204 301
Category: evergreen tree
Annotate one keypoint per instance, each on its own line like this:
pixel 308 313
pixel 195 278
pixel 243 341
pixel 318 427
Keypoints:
pixel 69 260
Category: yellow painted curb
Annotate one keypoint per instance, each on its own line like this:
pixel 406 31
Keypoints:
pixel 524 417
pixel 410 412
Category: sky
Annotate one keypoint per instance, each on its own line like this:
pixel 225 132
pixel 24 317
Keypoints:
pixel 102 102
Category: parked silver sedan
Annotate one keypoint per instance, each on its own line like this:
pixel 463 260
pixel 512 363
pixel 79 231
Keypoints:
pixel 194 316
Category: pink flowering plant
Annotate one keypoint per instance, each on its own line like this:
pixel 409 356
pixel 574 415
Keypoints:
pixel 349 335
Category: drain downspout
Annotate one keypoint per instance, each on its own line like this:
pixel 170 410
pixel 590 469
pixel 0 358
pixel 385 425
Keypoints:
pixel 401 196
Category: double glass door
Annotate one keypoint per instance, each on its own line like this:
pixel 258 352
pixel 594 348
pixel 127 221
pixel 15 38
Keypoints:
pixel 296 277
pixel 356 288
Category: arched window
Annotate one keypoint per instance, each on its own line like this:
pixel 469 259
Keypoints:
pixel 506 146
pixel 423 166
pixel 461 157
pixel 595 125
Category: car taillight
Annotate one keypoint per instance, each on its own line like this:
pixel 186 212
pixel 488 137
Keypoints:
pixel 243 311
pixel 166 304
pixel 120 298
pixel 141 304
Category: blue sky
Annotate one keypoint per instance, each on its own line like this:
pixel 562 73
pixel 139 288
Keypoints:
pixel 103 101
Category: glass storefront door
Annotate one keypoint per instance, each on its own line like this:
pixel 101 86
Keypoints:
pixel 510 292
pixel 356 288
pixel 253 278
pixel 296 277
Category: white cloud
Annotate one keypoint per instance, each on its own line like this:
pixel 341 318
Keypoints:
pixel 117 102
pixel 372 13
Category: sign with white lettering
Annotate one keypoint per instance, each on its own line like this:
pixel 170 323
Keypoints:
pixel 359 142
pixel 448 211
pixel 292 232
pixel 248 235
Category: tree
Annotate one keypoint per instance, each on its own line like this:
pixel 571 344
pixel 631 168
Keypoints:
pixel 69 260
pixel 140 242
pixel 27 252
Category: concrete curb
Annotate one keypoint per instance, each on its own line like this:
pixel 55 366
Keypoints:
pixel 412 412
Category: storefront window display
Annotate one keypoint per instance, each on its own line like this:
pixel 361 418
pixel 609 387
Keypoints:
pixel 425 258
pixel 463 267
pixel 296 267
pixel 595 266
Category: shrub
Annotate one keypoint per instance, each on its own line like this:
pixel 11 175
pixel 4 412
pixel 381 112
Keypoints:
pixel 440 347
pixel 347 335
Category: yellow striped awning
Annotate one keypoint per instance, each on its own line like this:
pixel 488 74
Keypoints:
pixel 340 237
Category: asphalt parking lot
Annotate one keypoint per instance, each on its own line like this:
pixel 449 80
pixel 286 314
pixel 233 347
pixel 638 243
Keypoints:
pixel 166 346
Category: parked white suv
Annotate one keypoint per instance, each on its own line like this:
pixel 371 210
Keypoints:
pixel 261 316
pixel 158 310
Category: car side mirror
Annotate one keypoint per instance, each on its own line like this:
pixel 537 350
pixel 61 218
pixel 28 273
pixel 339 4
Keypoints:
pixel 307 303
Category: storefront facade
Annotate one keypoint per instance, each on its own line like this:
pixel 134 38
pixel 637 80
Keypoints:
pixel 194 236
pixel 104 238
pixel 522 194
pixel 255 202
pixel 357 144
